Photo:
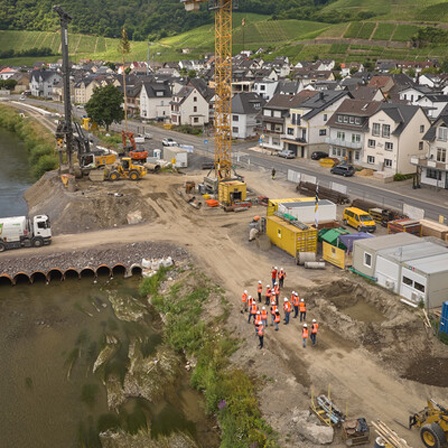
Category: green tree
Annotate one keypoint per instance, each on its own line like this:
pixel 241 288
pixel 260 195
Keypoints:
pixel 105 106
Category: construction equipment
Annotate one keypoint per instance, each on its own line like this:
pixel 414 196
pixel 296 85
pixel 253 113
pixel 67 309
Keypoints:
pixel 356 432
pixel 125 169
pixel 433 424
pixel 388 438
pixel 326 410
pixel 131 149
pixel 223 84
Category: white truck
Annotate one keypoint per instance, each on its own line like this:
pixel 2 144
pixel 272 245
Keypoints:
pixel 22 231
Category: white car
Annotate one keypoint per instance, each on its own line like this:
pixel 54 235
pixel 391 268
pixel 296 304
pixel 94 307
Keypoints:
pixel 168 142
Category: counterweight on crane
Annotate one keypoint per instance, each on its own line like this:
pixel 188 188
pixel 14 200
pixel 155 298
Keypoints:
pixel 223 82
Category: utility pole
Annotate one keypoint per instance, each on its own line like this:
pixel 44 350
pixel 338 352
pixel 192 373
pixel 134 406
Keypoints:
pixel 67 128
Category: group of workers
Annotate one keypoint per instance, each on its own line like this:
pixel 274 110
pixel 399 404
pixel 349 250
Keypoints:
pixel 271 300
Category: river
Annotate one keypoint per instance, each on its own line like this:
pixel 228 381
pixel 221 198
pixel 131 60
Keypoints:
pixel 50 336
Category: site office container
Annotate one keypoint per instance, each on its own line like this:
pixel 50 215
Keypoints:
pixel 305 211
pixel 274 203
pixel 289 237
pixel 231 191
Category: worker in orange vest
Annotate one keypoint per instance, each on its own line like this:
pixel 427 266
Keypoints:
pixel 264 316
pixel 257 321
pixel 287 310
pixel 268 294
pixel 259 290
pixel 304 334
pixel 253 308
pixel 244 298
pixel 302 309
pixel 274 274
pixel 314 328
pixel 260 332
pixel 276 319
pixel 295 303
pixel 281 277
pixel 274 309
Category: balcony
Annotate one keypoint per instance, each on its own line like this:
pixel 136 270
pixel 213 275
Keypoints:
pixel 343 143
pixel 291 138
pixel 425 162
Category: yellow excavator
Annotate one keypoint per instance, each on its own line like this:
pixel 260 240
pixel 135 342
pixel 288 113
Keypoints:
pixel 433 424
pixel 125 169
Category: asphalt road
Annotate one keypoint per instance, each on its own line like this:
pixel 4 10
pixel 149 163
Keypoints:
pixel 397 195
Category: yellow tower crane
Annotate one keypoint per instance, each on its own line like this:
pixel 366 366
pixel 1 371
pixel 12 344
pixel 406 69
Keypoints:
pixel 223 83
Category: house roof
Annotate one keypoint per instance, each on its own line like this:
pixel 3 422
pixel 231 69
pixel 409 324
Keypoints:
pixel 443 119
pixel 153 89
pixel 245 103
pixel 355 108
pixel 286 102
pixel 364 93
pixel 386 241
pixel 400 113
pixel 321 100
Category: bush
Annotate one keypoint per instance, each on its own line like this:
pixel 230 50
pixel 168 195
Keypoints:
pixel 46 163
pixel 399 177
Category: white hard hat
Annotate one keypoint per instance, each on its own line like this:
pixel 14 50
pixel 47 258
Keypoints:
pixel 245 291
pixel 258 312
pixel 305 325
pixel 281 269
pixel 314 320
pixel 275 283
pixel 296 293
pixel 259 281
pixel 302 300
pixel 275 267
pixel 250 297
pixel 285 299
pixel 263 307
pixel 268 286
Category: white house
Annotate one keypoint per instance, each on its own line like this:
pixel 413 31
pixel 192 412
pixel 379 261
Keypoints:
pixel 155 100
pixel 246 114
pixel 189 107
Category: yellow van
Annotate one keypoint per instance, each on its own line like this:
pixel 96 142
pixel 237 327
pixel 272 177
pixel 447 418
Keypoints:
pixel 359 219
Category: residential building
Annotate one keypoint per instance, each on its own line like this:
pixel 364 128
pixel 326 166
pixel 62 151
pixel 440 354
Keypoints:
pixel 155 101
pixel 189 107
pixel 42 82
pixel 395 133
pixel 433 104
pixel 347 128
pixel 246 115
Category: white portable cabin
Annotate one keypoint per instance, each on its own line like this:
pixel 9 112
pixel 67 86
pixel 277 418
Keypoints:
pixel 180 156
pixel 306 211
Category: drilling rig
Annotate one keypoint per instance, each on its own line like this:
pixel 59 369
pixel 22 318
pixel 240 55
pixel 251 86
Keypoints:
pixel 223 85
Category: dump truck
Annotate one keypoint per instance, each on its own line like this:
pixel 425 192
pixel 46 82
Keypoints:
pixel 433 424
pixel 23 231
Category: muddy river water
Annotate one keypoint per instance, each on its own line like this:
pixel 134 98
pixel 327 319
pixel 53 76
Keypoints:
pixel 50 336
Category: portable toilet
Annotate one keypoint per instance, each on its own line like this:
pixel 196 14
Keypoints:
pixel 443 327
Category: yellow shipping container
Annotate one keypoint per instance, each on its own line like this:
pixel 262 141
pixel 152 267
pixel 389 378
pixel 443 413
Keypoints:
pixel 273 203
pixel 231 191
pixel 289 237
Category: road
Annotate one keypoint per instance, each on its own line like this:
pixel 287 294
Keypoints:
pixel 396 195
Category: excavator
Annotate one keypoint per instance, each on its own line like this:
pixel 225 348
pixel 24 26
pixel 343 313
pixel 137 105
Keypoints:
pixel 433 424
pixel 139 155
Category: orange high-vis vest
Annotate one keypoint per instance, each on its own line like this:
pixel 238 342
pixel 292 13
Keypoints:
pixel 260 330
pixel 253 308
pixel 314 328
pixel 274 309
pixel 268 292
pixel 277 318
pixel 287 307
pixel 257 320
pixel 281 274
pixel 264 314
pixel 304 333
pixel 302 306
pixel 273 301
pixel 251 301
pixel 295 300
pixel 244 297
pixel 260 288
pixel 276 290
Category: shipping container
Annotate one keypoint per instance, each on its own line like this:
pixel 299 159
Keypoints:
pixel 231 191
pixel 291 236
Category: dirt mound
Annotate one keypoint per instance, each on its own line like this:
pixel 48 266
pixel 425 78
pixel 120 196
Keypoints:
pixel 94 206
pixel 428 370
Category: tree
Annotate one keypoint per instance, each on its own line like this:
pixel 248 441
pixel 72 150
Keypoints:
pixel 105 106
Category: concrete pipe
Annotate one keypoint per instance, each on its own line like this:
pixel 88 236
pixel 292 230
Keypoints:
pixel 379 443
pixel 315 265
pixel 303 257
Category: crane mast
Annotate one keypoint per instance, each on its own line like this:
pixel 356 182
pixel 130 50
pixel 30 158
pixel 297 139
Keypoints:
pixel 223 83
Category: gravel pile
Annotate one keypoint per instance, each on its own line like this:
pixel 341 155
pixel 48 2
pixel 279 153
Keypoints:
pixel 124 254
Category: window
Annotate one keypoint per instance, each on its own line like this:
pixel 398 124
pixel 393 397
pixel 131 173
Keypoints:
pixel 441 155
pixel 442 133
pixel 356 138
pixel 293 119
pixel 420 146
pixel 376 129
pixel 371 160
pixel 386 130
pixel 290 131
pixel 433 174
pixel 406 281
pixel 389 146
pixel 367 259
pixel 352 120
pixel 262 87
pixel 388 163
pixel 422 128
pixel 325 117
pixel 195 109
pixel 419 287
pixel 322 132
pixel 340 135
pixel 345 119
pixel 340 119
pixel 357 120
pixel 235 130
pixel 357 155
pixel 195 120
pixel 235 118
pixel 195 98
pixel 371 143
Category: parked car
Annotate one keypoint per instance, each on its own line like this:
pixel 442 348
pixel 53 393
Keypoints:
pixel 317 155
pixel 343 170
pixel 287 154
pixel 168 142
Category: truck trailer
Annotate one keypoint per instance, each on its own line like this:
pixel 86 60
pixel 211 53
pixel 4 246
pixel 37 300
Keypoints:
pixel 22 231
